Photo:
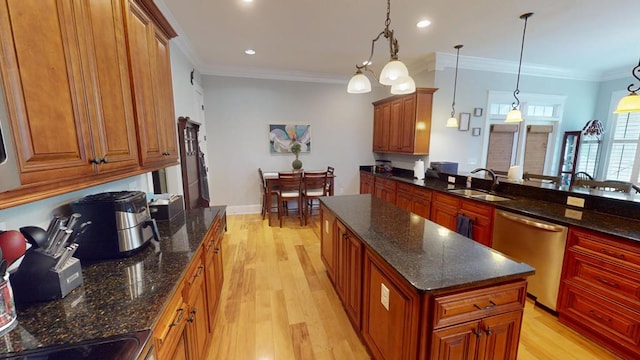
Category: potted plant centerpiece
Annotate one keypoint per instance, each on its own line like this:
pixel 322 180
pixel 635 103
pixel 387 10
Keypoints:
pixel 295 149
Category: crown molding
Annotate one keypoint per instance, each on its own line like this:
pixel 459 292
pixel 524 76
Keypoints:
pixel 619 73
pixel 256 73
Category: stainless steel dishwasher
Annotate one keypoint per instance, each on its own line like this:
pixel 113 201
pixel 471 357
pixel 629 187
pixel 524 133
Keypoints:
pixel 538 243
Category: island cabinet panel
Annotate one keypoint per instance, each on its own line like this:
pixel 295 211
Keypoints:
pixel 600 290
pixel 402 123
pixel 367 183
pixel 391 310
pixel 348 273
pixel 328 242
pixel 385 189
pixel 70 106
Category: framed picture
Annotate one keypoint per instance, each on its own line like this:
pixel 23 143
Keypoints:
pixel 282 136
pixel 464 121
pixel 475 131
pixel 477 112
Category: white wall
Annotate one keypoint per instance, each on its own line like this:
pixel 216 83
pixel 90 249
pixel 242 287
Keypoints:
pixel 238 113
pixel 449 144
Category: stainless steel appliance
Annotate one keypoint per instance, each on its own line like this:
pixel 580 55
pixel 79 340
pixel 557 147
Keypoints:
pixel 538 243
pixel 120 224
pixel 9 175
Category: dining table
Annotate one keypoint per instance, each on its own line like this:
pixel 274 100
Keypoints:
pixel 271 179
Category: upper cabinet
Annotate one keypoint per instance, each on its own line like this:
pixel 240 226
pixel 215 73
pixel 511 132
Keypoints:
pixel 402 123
pixel 71 74
pixel 66 74
pixel 151 69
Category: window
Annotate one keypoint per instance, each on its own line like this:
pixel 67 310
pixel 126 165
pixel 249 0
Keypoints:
pixel 623 152
pixel 588 155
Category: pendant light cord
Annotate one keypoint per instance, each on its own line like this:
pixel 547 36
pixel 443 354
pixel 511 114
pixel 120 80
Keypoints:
pixel 455 82
pixel 517 90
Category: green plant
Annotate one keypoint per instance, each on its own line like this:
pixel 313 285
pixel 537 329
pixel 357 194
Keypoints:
pixel 295 149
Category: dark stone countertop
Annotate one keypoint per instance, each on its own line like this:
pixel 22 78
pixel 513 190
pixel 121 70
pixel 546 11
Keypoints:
pixel 601 221
pixel 429 256
pixel 117 296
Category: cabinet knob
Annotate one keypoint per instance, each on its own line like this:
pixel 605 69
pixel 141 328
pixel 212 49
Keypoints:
pixel 478 334
pixel 488 331
pixel 104 160
pixel 95 160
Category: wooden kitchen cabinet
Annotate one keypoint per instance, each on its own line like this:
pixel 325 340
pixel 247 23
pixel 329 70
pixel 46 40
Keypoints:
pixel 402 123
pixel 214 272
pixel 152 91
pixel 367 183
pixel 168 334
pixel 390 312
pixel 385 189
pixel 414 199
pixel 70 106
pixel 348 272
pixel 600 290
pixel 195 294
pixel 328 243
pixel 445 209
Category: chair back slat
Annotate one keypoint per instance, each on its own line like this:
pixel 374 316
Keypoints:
pixel 315 180
pixel 290 181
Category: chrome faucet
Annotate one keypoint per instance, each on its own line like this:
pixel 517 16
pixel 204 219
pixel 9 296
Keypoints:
pixel 494 178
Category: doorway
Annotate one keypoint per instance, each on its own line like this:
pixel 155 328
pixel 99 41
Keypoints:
pixel 194 171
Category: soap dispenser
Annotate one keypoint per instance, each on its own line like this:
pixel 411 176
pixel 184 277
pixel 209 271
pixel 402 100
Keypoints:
pixel 469 182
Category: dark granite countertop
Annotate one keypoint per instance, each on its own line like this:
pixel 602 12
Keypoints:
pixel 627 228
pixel 429 256
pixel 118 296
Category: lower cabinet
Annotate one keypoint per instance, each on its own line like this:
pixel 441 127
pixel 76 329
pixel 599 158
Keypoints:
pixel 414 199
pixel 445 209
pixel 391 312
pixel 385 189
pixel 185 327
pixel 348 272
pixel 600 292
pixel 366 183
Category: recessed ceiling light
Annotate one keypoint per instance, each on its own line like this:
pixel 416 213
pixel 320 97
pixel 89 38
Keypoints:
pixel 250 52
pixel 247 1
pixel 423 23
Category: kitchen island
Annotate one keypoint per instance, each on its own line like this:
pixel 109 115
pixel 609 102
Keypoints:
pixel 414 289
pixel 118 297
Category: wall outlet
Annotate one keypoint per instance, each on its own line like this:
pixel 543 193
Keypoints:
pixel 451 179
pixel 575 201
pixel 384 296
pixel 326 226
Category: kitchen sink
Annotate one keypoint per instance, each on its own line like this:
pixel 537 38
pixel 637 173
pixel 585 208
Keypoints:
pixel 489 197
pixel 468 192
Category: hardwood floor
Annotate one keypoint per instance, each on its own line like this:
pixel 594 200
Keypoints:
pixel 278 303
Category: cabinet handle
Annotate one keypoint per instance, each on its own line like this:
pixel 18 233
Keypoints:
pixel 200 269
pixel 178 318
pixel 210 244
pixel 217 250
pixel 612 253
pixel 607 282
pixel 486 307
pixel 193 313
pixel 599 317
pixel 478 334
pixel 95 160
pixel 488 331
pixel 104 160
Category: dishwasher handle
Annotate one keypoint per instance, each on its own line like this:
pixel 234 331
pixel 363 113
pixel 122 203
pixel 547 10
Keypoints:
pixel 531 222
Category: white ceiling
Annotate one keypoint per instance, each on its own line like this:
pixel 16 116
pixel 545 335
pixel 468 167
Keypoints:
pixel 324 39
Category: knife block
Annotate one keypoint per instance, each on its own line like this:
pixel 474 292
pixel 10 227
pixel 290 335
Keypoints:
pixel 36 280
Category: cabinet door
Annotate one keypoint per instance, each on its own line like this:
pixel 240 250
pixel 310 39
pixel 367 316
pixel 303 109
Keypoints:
pixel 407 135
pixel 328 250
pixel 482 218
pixel 456 342
pixel 353 286
pixel 501 334
pixel 181 350
pixel 395 126
pixel 444 215
pixel 422 203
pixel 198 323
pixel 41 67
pixel 366 183
pixel 404 200
pixel 381 118
pixel 341 260
pixel 113 123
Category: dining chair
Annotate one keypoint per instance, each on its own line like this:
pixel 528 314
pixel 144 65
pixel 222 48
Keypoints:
pixel 314 185
pixel 608 185
pixel 289 189
pixel 266 211
pixel 329 175
pixel 541 178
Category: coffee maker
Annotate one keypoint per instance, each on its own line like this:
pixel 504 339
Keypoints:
pixel 120 225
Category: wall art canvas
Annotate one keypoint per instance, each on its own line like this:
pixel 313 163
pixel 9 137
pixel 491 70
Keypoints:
pixel 281 137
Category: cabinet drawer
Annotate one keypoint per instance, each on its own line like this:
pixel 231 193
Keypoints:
pixel 607 247
pixel 407 188
pixel 476 208
pixel 605 278
pixel 170 324
pixel 193 277
pixel 446 199
pixel 605 319
pixel 387 183
pixel 422 194
pixel 472 305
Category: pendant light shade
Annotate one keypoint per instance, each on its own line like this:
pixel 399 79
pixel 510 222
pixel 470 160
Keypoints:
pixel 407 86
pixel 631 102
pixel 515 116
pixel 452 122
pixel 394 73
pixel 359 84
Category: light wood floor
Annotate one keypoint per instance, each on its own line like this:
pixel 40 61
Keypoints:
pixel 278 303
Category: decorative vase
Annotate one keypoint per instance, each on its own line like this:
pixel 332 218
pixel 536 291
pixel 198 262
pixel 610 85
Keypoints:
pixel 296 164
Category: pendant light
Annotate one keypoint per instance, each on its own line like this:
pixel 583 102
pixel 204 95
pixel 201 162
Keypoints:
pixel 453 121
pixel 631 102
pixel 515 116
pixel 394 73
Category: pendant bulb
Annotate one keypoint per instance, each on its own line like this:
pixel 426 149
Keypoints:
pixel 452 121
pixel 515 115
